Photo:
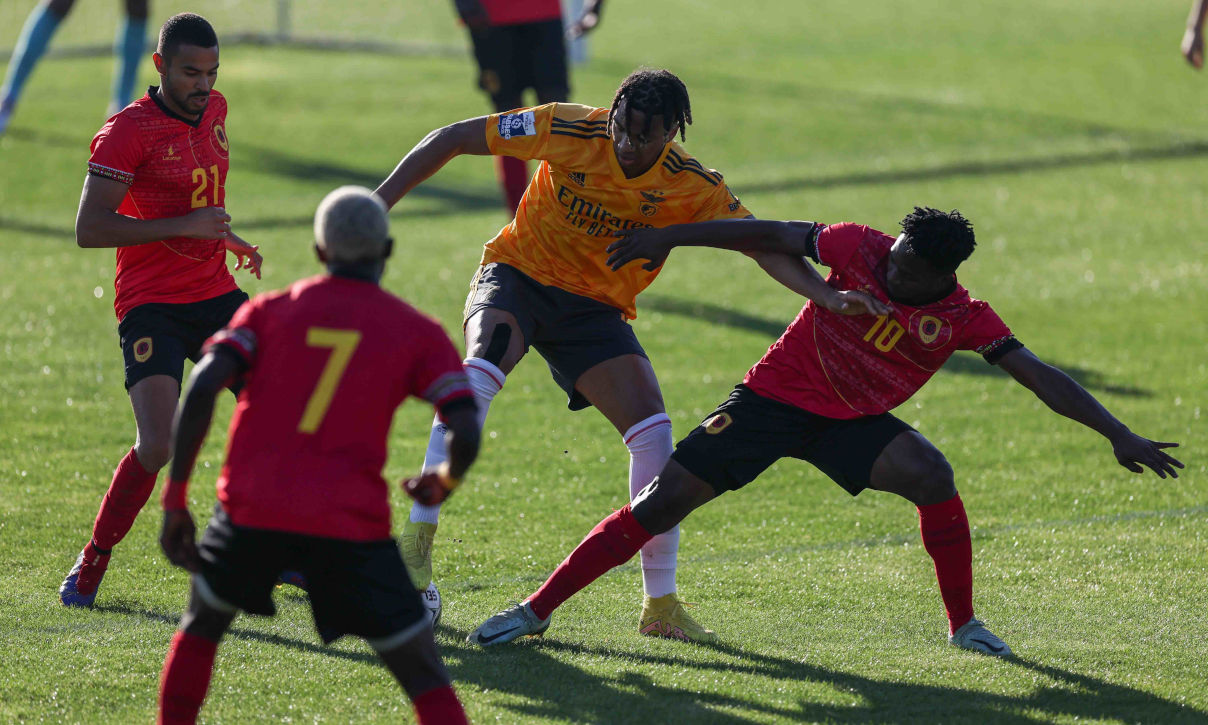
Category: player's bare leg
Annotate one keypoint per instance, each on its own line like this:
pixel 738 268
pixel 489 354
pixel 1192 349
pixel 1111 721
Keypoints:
pixel 660 506
pixel 416 664
pixel 626 391
pixel 913 468
pixel 154 401
pixel 190 662
pixel 494 344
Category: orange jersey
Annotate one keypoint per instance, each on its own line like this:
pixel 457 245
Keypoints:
pixel 579 197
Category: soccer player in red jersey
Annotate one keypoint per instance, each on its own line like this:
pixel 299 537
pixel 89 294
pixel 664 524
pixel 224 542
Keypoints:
pixel 823 393
pixel 519 44
pixel 155 191
pixel 325 364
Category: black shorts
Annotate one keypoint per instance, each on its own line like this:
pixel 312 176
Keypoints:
pixel 572 332
pixel 157 337
pixel 748 432
pixel 512 58
pixel 355 587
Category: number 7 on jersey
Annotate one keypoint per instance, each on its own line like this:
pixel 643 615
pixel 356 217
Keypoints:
pixel 342 344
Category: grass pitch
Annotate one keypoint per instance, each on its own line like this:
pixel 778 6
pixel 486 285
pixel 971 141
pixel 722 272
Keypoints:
pixel 1070 132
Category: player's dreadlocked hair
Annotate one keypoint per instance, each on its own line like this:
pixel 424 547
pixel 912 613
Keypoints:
pixel 654 92
pixel 185 29
pixel 945 239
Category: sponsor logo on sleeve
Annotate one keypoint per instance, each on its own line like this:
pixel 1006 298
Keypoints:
pixel 517 124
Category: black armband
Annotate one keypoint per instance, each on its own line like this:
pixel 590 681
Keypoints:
pixel 999 348
pixel 811 241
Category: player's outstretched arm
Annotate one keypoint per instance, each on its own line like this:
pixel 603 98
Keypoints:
pixel 99 225
pixel 215 371
pixel 741 235
pixel 778 247
pixel 461 440
pixel 1065 396
pixel 431 154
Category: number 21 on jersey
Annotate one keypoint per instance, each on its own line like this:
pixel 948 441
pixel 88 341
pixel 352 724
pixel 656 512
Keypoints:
pixel 205 183
pixel 342 344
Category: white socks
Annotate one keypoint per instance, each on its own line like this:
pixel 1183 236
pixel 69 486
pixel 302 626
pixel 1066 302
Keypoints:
pixel 486 380
pixel 649 444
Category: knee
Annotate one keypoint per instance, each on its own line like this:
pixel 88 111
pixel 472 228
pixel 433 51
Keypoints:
pixel 665 502
pixel 931 477
pixel 153 452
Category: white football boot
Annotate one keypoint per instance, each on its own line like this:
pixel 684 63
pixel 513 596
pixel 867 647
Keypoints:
pixel 515 621
pixel 973 635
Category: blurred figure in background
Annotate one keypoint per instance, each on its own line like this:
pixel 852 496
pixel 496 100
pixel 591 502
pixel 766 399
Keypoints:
pixel 35 36
pixel 520 44
pixel 1193 39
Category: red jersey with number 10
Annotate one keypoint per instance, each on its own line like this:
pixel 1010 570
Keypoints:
pixel 843 366
pixel 328 361
pixel 172 165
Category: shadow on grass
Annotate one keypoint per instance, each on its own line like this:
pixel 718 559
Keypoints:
pixel 533 671
pixel 557 690
pixel 962 363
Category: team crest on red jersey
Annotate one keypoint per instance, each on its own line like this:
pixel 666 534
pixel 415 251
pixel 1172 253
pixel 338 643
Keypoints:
pixel 718 423
pixel 929 331
pixel 219 139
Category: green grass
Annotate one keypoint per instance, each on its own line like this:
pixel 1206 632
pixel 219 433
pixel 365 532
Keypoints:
pixel 1070 132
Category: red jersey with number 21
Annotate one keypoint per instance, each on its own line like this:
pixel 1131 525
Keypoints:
pixel 328 361
pixel 172 166
pixel 843 366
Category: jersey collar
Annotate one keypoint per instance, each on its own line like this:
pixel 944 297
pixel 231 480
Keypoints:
pixel 153 91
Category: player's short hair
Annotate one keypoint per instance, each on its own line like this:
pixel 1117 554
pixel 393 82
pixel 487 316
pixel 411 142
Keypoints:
pixel 943 238
pixel 654 92
pixel 351 226
pixel 185 29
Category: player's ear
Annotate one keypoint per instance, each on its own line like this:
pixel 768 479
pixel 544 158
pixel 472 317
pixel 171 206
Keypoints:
pixel 320 254
pixel 161 65
pixel 389 249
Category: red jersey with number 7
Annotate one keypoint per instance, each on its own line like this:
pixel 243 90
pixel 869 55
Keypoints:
pixel 172 165
pixel 328 361
pixel 843 366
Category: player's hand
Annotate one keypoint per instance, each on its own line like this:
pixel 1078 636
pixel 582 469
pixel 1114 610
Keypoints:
pixel 178 539
pixel 1133 452
pixel 208 222
pixel 472 13
pixel 431 487
pixel 1193 47
pixel 248 256
pixel 851 302
pixel 585 24
pixel 639 244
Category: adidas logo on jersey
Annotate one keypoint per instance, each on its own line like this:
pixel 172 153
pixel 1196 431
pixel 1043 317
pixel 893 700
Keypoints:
pixel 578 178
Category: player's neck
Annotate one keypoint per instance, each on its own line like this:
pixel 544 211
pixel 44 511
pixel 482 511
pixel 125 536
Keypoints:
pixel 166 101
pixel 371 272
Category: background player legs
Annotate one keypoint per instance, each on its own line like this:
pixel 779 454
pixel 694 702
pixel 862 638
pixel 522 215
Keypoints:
pixel 35 36
pixel 914 469
pixel 154 402
pixel 494 344
pixel 128 47
pixel 417 666
pixel 626 391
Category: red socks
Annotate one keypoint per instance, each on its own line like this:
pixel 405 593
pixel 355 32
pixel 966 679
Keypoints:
pixel 613 542
pixel 185 678
pixel 128 493
pixel 513 175
pixel 439 707
pixel 945 530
